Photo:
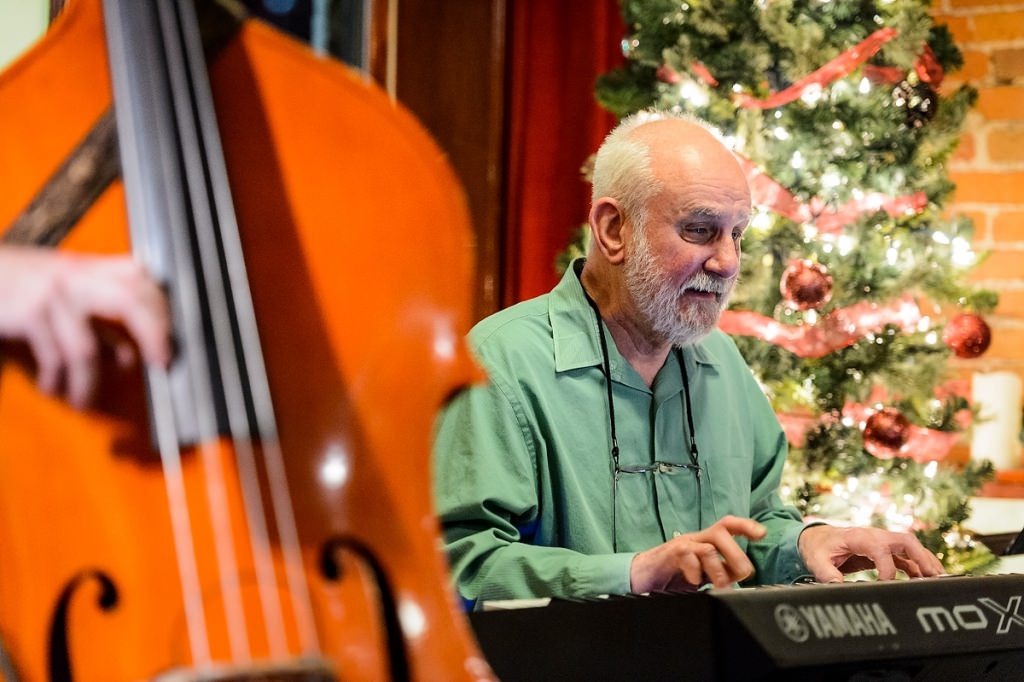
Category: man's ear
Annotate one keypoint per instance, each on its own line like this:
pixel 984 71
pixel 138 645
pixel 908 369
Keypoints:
pixel 606 226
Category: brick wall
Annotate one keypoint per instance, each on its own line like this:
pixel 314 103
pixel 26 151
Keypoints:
pixel 988 167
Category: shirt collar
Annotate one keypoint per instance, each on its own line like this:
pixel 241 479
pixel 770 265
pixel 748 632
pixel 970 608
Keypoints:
pixel 575 332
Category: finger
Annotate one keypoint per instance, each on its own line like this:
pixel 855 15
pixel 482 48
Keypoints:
pixel 678 583
pixel 712 566
pixel 49 366
pixel 148 323
pixel 736 525
pixel 883 560
pixel 77 346
pixel 691 569
pixel 119 289
pixel 912 550
pixel 909 566
pixel 125 355
pixel 823 569
pixel 736 560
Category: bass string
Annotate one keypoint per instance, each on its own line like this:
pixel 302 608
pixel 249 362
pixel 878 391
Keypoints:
pixel 189 138
pixel 255 376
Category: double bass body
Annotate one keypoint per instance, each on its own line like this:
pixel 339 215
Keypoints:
pixel 356 245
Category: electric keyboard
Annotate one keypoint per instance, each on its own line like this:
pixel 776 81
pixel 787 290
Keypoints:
pixel 949 628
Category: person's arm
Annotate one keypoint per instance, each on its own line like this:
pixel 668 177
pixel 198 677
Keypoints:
pixel 486 492
pixel 48 300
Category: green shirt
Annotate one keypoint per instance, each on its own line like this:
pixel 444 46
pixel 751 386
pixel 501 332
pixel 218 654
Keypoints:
pixel 523 468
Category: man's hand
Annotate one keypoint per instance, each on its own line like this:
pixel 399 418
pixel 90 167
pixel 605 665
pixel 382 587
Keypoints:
pixel 688 561
pixel 47 299
pixel 829 552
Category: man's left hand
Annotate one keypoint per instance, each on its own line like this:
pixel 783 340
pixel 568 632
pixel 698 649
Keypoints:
pixel 829 552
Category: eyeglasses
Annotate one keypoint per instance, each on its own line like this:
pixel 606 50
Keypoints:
pixel 656 468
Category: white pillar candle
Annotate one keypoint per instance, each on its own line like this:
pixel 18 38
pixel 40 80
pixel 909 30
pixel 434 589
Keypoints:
pixel 996 433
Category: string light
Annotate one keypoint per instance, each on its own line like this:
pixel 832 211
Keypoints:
pixel 761 221
pixel 693 93
pixel 962 253
pixel 846 244
pixel 811 94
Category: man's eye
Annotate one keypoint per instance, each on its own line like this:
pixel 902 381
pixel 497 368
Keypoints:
pixel 697 233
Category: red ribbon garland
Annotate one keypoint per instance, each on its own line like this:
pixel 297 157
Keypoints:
pixel 835 69
pixel 840 328
pixel 767 192
pixel 927 68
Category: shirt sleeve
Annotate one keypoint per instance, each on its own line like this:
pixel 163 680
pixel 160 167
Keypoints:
pixel 775 557
pixel 485 473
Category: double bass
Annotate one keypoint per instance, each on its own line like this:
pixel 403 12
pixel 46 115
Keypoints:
pixel 262 509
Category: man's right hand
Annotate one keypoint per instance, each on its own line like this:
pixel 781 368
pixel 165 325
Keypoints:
pixel 691 560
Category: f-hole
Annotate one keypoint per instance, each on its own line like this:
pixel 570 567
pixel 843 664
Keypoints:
pixel 331 570
pixel 60 655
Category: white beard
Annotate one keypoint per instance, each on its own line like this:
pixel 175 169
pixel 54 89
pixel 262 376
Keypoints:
pixel 659 303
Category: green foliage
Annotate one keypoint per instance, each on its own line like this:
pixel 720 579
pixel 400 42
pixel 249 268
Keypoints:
pixel 875 131
pixel 626 90
pixel 576 249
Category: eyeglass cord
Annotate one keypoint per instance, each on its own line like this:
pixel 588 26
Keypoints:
pixel 687 409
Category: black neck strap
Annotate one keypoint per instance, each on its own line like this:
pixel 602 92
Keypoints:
pixel 687 407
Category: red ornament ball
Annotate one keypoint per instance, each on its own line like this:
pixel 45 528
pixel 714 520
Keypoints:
pixel 886 432
pixel 967 335
pixel 806 284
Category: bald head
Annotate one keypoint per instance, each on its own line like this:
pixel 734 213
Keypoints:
pixel 651 150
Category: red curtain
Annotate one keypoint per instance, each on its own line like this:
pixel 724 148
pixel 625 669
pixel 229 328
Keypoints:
pixel 557 49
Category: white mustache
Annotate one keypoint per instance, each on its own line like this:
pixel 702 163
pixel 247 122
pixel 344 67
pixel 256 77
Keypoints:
pixel 702 281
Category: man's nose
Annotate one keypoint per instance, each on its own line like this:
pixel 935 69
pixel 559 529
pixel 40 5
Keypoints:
pixel 725 260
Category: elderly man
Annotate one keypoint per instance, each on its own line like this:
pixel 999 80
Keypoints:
pixel 622 444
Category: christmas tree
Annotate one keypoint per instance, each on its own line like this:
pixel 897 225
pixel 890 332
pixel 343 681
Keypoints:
pixel 852 293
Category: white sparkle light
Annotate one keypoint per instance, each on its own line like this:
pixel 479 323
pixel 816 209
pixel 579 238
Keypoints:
pixel 693 93
pixel 962 253
pixel 811 94
pixel 846 244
